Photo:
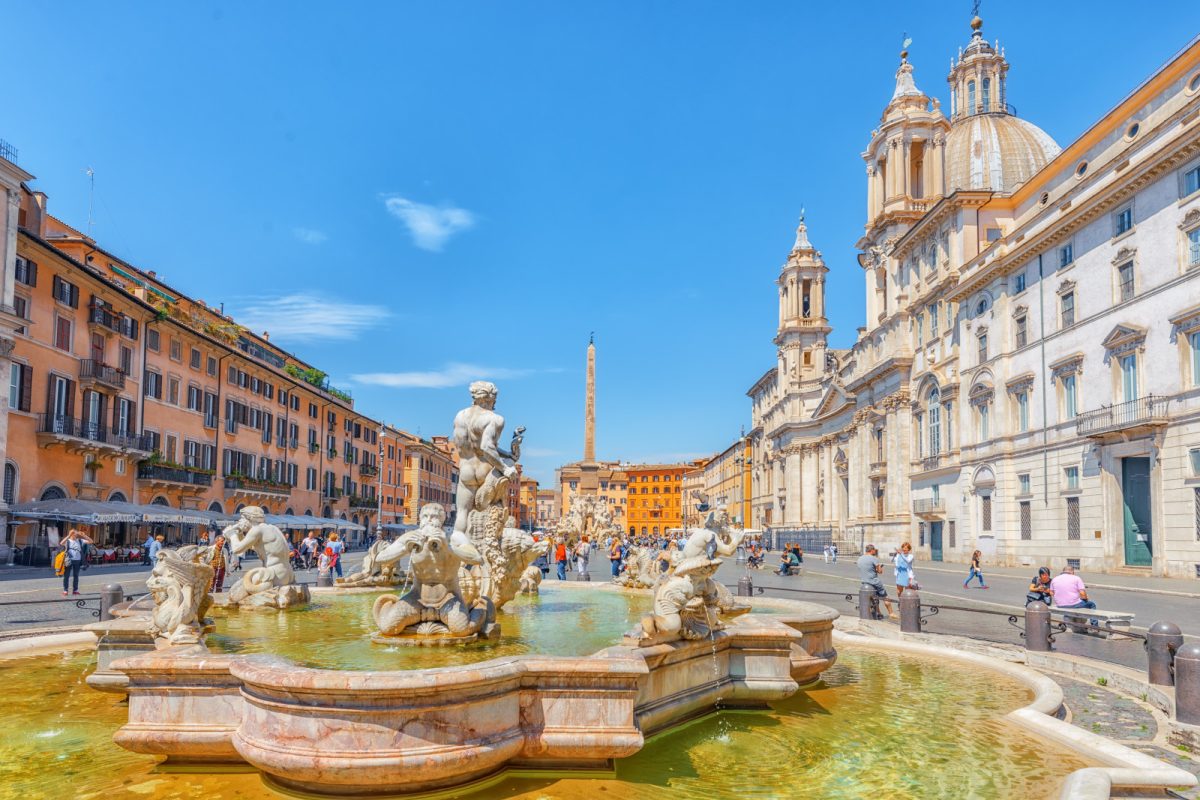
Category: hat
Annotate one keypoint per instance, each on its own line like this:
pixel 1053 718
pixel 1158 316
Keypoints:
pixel 869 547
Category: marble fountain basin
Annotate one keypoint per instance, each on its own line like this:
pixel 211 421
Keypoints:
pixel 357 732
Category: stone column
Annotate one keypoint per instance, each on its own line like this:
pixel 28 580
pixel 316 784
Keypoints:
pixel 589 412
pixel 939 155
pixel 870 193
pixel 906 178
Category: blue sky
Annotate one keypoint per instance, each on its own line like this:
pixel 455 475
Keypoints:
pixel 412 195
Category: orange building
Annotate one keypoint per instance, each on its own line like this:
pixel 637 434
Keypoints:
pixel 430 475
pixel 123 388
pixel 527 503
pixel 391 475
pixel 654 497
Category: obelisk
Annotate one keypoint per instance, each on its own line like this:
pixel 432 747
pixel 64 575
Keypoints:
pixel 589 409
pixel 589 468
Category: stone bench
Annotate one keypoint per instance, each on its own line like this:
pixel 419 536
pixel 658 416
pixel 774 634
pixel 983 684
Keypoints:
pixel 1076 618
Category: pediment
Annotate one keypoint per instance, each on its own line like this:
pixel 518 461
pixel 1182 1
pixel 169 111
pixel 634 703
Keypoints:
pixel 834 399
pixel 1123 333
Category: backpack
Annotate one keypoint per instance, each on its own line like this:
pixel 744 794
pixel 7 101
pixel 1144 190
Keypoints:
pixel 60 563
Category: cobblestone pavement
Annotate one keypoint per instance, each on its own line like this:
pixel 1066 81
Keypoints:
pixel 51 610
pixel 1126 720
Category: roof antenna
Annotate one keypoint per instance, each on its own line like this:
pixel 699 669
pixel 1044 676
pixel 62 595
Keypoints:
pixel 91 173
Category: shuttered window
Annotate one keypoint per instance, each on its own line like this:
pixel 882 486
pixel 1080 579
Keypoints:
pixel 985 514
pixel 1026 520
pixel 1072 517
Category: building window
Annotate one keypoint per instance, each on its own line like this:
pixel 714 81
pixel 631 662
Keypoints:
pixel 1026 520
pixel 935 423
pixel 1022 401
pixel 1194 343
pixel 1071 477
pixel 173 391
pixel 26 272
pixel 195 359
pixel 1023 483
pixel 20 386
pixel 1193 247
pixel 1019 283
pixel 951 527
pixel 1070 401
pixel 1123 220
pixel 984 422
pixel 152 339
pixel 987 95
pixel 153 384
pixel 1129 378
pixel 1190 180
pixel 21 309
pixel 62 333
pixel 1073 518
pixel 933 319
pixel 983 347
pixel 1066 255
pixel 920 329
pixel 1125 282
pixel 970 97
pixel 66 292
pixel 1067 303
pixel 1021 332
pixel 985 513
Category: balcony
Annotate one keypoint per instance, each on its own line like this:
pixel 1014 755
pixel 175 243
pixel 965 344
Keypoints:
pixel 174 476
pixel 97 373
pixel 929 507
pixel 331 494
pixel 98 316
pixel 363 502
pixel 256 487
pixel 1133 417
pixel 368 470
pixel 878 469
pixel 86 436
pixel 314 448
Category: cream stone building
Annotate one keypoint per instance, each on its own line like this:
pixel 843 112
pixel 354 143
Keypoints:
pixel 1028 379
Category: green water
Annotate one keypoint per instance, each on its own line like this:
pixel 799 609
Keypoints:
pixel 878 726
pixel 334 632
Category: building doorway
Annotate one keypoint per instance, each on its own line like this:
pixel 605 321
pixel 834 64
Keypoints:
pixel 935 541
pixel 1135 501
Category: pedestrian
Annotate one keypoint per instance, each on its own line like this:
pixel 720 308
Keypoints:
pixel 615 553
pixel 308 549
pixel 583 553
pixel 335 548
pixel 1040 590
pixel 156 544
pixel 220 559
pixel 976 571
pixel 903 563
pixel 833 552
pixel 146 549
pixel 560 558
pixel 825 554
pixel 73 548
pixel 1069 590
pixel 869 570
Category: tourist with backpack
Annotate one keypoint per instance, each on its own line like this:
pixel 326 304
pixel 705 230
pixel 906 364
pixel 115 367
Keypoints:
pixel 70 560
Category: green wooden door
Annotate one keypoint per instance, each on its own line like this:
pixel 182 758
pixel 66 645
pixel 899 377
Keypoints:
pixel 1135 493
pixel 935 541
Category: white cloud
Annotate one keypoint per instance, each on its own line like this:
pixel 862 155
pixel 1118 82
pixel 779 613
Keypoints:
pixel 430 226
pixel 452 374
pixel 308 317
pixel 309 235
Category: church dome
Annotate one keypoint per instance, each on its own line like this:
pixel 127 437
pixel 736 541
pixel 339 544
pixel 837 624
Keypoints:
pixel 995 151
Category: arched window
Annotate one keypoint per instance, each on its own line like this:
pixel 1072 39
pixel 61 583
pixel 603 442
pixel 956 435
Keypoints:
pixel 288 512
pixel 935 422
pixel 117 497
pixel 970 97
pixel 215 506
pixel 53 493
pixel 160 501
pixel 987 94
pixel 10 483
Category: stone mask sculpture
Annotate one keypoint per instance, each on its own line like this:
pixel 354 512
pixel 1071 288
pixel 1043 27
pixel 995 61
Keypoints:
pixel 685 606
pixel 716 539
pixel 179 585
pixel 531 580
pixel 273 585
pixel 433 610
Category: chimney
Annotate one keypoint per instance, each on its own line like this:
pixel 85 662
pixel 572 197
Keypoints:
pixel 266 336
pixel 152 274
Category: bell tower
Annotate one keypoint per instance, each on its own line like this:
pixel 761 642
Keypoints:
pixel 802 322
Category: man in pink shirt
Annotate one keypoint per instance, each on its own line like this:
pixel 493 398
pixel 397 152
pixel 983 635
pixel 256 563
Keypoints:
pixel 1069 590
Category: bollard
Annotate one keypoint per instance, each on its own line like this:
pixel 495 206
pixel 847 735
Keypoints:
pixel 324 578
pixel 866 602
pixel 110 595
pixel 745 586
pixel 1187 684
pixel 1037 627
pixel 1162 640
pixel 910 612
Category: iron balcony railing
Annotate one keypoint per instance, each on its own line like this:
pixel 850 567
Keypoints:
pixel 1147 410
pixel 161 472
pixel 368 470
pixel 329 493
pixel 90 369
pixel 98 315
pixel 928 505
pixel 62 425
pixel 257 485
pixel 8 152
pixel 931 462
pixel 357 501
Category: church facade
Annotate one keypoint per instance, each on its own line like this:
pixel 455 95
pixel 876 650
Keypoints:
pixel 1027 382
